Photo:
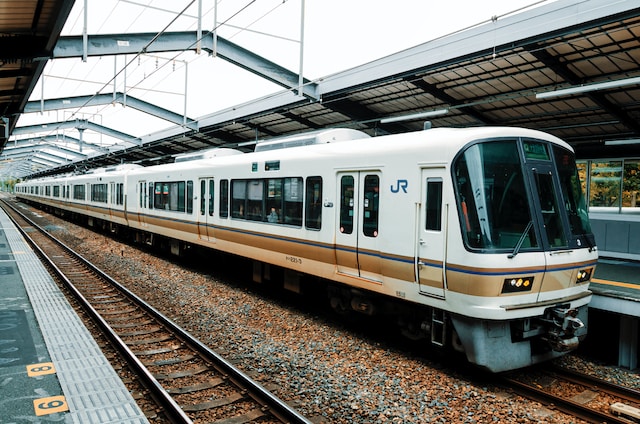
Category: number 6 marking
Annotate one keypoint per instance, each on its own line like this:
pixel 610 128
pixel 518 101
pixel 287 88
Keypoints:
pixel 50 405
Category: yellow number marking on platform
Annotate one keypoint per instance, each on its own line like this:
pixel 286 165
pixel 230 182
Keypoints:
pixel 36 370
pixel 50 405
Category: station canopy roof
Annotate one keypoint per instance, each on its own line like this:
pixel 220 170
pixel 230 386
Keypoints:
pixel 568 67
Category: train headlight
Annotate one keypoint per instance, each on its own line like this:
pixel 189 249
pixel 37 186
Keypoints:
pixel 517 284
pixel 584 275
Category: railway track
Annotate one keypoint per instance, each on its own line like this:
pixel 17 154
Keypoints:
pixel 187 381
pixel 583 396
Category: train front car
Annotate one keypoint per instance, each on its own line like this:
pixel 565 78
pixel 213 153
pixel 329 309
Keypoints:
pixel 521 275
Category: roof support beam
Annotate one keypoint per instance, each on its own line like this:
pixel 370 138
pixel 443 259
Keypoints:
pixel 80 125
pixel 107 99
pixel 38 146
pixel 116 44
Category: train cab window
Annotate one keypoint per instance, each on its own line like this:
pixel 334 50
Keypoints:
pixel 571 188
pixel 493 205
pixel 313 203
pixel 371 205
pixel 433 219
pixel 224 199
pixel 550 211
pixel 346 204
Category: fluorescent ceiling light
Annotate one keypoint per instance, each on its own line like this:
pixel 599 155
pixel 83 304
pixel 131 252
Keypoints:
pixel 414 116
pixel 622 142
pixel 589 87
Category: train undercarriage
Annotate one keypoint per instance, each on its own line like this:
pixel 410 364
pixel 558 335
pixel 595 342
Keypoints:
pixel 494 345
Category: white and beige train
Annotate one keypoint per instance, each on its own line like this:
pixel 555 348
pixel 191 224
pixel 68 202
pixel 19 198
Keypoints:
pixel 477 239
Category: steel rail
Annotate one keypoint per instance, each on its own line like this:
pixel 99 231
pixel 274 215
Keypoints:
pixel 560 403
pixel 255 390
pixel 173 411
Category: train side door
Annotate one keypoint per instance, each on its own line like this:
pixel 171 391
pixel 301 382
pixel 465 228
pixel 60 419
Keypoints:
pixel 357 251
pixel 143 201
pixel 431 244
pixel 206 211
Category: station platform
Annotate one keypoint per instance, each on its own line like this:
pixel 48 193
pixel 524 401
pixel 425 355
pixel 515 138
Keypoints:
pixel 615 305
pixel 51 369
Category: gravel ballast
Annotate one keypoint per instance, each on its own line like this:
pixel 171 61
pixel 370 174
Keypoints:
pixel 329 371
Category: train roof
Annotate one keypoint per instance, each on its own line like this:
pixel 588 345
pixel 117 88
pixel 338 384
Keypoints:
pixel 447 142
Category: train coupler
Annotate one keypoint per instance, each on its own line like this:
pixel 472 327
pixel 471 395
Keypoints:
pixel 564 328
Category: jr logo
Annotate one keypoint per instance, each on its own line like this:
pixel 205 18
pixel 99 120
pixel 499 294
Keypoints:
pixel 400 184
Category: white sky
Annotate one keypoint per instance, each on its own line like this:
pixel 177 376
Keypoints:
pixel 339 34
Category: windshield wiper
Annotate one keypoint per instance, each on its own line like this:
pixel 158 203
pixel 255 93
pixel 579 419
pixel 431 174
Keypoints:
pixel 519 243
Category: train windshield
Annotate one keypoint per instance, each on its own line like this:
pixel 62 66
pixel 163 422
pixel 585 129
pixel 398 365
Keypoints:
pixel 492 199
pixel 571 188
pixel 505 206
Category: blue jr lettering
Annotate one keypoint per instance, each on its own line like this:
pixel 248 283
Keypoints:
pixel 400 184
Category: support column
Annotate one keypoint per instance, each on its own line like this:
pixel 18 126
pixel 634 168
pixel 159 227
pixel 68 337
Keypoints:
pixel 628 349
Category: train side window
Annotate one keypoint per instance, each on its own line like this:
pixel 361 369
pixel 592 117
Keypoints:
pixel 121 193
pixel 434 205
pixel 255 200
pixel 238 195
pixel 142 189
pixel 78 192
pixel 224 198
pixel 212 190
pixel 371 205
pixel 293 193
pixel 190 197
pixel 160 196
pixel 170 195
pixel 174 196
pixel 313 203
pixel 150 198
pixel 203 185
pixel 274 200
pixel 346 204
pixel 99 193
